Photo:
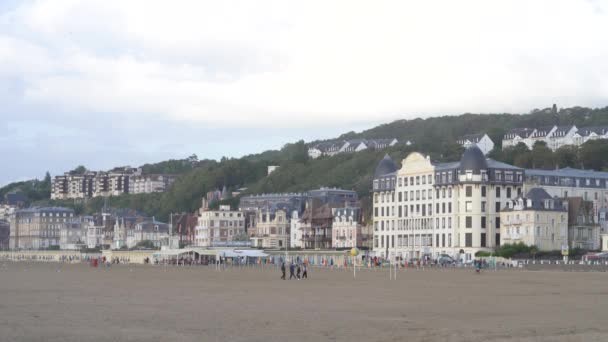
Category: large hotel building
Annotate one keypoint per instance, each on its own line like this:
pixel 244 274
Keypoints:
pixel 429 209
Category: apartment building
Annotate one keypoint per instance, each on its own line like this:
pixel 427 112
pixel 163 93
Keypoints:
pixel 425 209
pixel 568 182
pixel 149 183
pixel 223 225
pixel 39 227
pixel 536 219
pixel 272 230
pixel 348 230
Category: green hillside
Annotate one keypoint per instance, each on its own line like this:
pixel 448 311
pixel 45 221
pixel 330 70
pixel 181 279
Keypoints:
pixel 434 136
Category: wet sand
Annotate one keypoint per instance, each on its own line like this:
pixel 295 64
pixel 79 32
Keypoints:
pixel 53 302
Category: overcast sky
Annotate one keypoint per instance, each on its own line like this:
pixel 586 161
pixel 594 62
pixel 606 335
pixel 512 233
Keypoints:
pixel 107 83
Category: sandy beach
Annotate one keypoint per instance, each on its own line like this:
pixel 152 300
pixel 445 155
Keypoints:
pixel 61 302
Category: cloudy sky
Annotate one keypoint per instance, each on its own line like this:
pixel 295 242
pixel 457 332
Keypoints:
pixel 106 83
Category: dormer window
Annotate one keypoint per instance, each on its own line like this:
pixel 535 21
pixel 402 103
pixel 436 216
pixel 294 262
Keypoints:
pixel 469 175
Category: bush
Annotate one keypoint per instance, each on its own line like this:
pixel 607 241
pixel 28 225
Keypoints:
pixel 484 254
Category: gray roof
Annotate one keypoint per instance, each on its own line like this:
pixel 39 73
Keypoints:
pixel 542 131
pixel 521 132
pixel 586 131
pixel 473 160
pixel 472 137
pixel 564 129
pixel 567 172
pixel 46 209
pixel 537 198
pixel 386 166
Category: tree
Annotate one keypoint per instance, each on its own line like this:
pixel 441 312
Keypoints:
pixel 593 155
pixel 79 170
pixel 542 156
pixel 566 156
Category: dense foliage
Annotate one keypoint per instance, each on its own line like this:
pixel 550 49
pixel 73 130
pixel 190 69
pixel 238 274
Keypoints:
pixel 34 190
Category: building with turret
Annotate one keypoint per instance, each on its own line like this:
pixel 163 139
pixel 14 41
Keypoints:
pixel 426 209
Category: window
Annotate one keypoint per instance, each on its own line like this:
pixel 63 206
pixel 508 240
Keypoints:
pixel 483 239
pixel 468 206
pixel 449 208
pixel 497 192
pixel 497 239
pixel 468 222
pixel 468 238
pixel 483 206
pixel 497 223
pixel 497 207
pixel 483 222
pixel 509 192
pixel 400 196
pixel 469 191
pixel 483 191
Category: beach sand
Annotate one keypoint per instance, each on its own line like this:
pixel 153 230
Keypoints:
pixel 60 302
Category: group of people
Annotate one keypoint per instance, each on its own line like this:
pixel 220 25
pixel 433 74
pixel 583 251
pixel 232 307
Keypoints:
pixel 296 271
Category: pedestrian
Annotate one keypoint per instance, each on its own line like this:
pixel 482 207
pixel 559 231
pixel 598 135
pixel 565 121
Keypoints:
pixel 292 268
pixel 298 272
pixel 283 271
pixel 305 272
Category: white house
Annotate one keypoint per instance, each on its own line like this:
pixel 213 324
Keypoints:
pixel 561 136
pixel 585 134
pixel 482 141
pixel 516 136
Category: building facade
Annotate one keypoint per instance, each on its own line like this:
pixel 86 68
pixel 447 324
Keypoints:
pixel 152 233
pixel 272 230
pixel 348 230
pixel 535 220
pixel 427 209
pixel 149 183
pixel 223 225
pixel 39 227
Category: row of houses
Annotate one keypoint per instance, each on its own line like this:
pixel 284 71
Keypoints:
pixel 554 136
pixel 429 209
pixel 59 228
pixel 115 182
pixel 331 148
pixel 318 219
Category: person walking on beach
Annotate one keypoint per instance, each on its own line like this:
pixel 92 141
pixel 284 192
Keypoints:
pixel 305 272
pixel 298 272
pixel 292 268
pixel 283 270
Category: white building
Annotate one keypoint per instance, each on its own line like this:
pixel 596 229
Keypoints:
pixel 146 184
pixel 349 146
pixel 569 182
pixel 554 136
pixel 271 230
pixel 561 136
pixel 94 233
pixel 295 230
pixel 535 220
pixel 72 236
pixel 155 232
pixel 429 209
pixel 515 136
pixel 482 141
pixel 223 225
pixel 585 134
pixel 347 229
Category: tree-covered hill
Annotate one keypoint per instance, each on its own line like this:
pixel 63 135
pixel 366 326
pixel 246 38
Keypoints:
pixel 434 136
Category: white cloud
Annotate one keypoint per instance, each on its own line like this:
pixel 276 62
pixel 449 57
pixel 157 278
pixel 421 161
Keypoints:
pixel 307 63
